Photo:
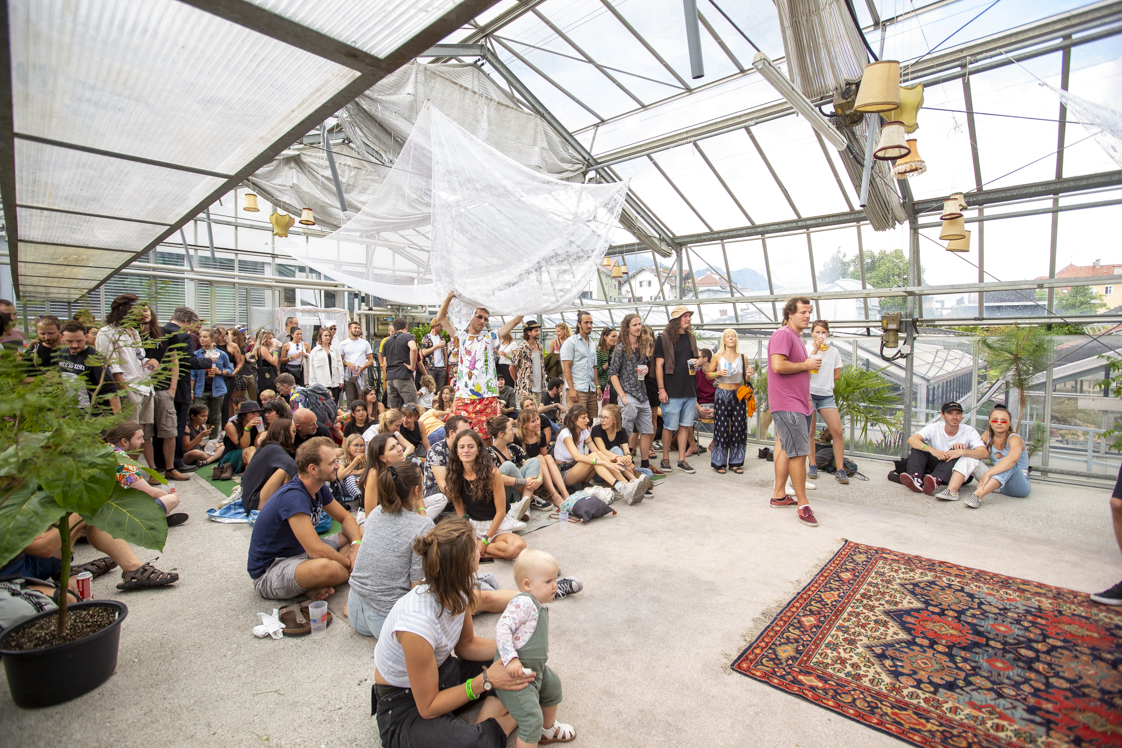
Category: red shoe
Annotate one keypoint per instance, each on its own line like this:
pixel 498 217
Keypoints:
pixel 654 468
pixel 807 516
pixel 930 485
pixel 787 500
pixel 913 482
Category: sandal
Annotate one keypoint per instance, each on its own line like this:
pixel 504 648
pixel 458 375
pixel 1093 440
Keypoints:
pixel 296 621
pixel 737 469
pixel 559 733
pixel 146 576
pixel 720 470
pixel 97 567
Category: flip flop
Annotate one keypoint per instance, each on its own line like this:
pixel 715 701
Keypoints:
pixel 296 621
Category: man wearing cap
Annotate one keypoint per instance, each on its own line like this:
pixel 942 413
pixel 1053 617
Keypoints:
pixel 526 367
pixel 788 395
pixel 675 354
pixel 433 354
pixel 936 447
pixel 578 361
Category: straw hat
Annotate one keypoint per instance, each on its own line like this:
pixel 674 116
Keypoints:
pixel 678 311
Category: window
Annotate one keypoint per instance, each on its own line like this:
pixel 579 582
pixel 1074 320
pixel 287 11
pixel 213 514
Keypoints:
pixel 1109 290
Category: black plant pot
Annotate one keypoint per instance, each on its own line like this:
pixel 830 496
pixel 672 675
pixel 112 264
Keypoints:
pixel 41 677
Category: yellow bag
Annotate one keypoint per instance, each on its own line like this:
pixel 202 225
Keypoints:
pixel 745 391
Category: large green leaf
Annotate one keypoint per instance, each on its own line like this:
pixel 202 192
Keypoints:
pixel 81 481
pixel 24 513
pixel 132 516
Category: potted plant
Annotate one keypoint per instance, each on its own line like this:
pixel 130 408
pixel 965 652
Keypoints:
pixel 866 399
pixel 54 464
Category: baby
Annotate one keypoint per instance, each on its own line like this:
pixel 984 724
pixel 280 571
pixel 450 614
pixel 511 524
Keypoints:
pixel 522 641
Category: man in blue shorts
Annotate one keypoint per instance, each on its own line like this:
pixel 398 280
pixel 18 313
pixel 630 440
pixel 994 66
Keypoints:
pixel 675 356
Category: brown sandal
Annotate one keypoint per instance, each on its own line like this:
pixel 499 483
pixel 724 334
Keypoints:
pixel 97 567
pixel 146 576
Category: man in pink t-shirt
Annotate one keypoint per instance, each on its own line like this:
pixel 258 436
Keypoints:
pixel 788 396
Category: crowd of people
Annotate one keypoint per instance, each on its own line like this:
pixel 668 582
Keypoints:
pixel 431 470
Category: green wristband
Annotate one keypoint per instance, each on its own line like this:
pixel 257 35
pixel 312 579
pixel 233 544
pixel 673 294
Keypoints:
pixel 470 693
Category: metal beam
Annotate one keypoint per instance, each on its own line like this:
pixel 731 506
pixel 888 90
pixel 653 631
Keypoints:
pixel 84 214
pixel 984 197
pixel 8 149
pixel 121 156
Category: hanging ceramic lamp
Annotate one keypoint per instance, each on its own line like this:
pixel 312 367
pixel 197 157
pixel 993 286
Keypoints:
pixel 891 145
pixel 306 217
pixel 959 245
pixel 251 203
pixel 623 268
pixel 617 271
pixel 911 101
pixel 910 165
pixel 953 207
pixel 880 88
pixel 282 222
pixel 606 262
pixel 953 229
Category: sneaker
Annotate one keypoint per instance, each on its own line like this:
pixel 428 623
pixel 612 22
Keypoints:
pixel 539 503
pixel 567 586
pixel 648 495
pixel 812 472
pixel 664 465
pixel 842 477
pixel 947 495
pixel 634 492
pixel 974 501
pixel 787 500
pixel 809 486
pixel 1113 596
pixel 516 527
pixel 914 482
pixel 931 484
pixel 645 484
pixel 518 510
pixel 685 467
pixel 701 449
pixel 177 519
pixel 657 444
pixel 807 516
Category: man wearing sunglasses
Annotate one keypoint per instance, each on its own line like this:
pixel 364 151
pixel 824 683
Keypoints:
pixel 477 388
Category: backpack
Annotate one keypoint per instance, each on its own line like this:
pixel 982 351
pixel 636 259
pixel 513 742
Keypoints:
pixel 824 459
pixel 317 399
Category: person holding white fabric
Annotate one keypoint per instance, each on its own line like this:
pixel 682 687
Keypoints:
pixel 325 365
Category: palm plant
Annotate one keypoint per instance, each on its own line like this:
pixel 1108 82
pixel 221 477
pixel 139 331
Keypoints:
pixel 1015 355
pixel 867 399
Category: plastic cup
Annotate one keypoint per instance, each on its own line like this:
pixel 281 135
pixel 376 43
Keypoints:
pixel 563 518
pixel 641 370
pixel 317 615
pixel 693 366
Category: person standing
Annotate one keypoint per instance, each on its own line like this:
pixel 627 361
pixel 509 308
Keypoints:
pixel 526 367
pixel 209 383
pixel 675 357
pixel 1113 595
pixel 358 358
pixel 181 347
pixel 729 370
pixel 433 349
pixel 401 361
pixel 822 395
pixel 268 363
pixel 578 359
pixel 325 365
pixel 293 354
pixel 788 383
pixel 477 390
pixel 629 371
pixel 506 348
pixel 607 343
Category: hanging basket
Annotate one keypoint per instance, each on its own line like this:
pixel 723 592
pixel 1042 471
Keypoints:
pixel 880 88
pixel 891 145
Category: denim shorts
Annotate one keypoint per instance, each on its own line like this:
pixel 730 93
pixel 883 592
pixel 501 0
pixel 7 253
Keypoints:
pixel 822 402
pixel 679 411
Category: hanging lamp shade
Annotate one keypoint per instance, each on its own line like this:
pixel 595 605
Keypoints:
pixel 282 222
pixel 959 245
pixel 617 272
pixel 251 203
pixel 306 217
pixel 880 88
pixel 623 267
pixel 891 145
pixel 606 262
pixel 953 206
pixel 911 101
pixel 910 165
pixel 953 229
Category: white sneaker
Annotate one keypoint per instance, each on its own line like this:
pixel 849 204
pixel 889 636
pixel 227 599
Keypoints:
pixel 791 489
pixel 646 484
pixel 947 495
pixel 520 509
pixel 634 492
pixel 517 527
pixel 621 490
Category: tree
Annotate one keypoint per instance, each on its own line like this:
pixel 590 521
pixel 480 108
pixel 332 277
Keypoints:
pixel 887 268
pixel 1079 300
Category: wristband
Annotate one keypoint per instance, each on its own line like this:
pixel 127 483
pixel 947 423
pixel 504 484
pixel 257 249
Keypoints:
pixel 593 461
pixel 470 693
pixel 356 543
pixel 486 540
pixel 247 428
pixel 923 447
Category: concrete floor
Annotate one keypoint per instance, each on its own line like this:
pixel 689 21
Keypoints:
pixel 675 588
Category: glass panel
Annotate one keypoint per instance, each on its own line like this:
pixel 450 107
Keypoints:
pixel 1095 76
pixel 837 268
pixel 688 170
pixel 1080 413
pixel 1079 249
pixel 662 24
pixel 794 153
pixel 790 263
pixel 77 256
pixel 650 187
pixel 756 18
pixel 1017 248
pixel 60 228
pixel 944 141
pixel 571 114
pixel 739 164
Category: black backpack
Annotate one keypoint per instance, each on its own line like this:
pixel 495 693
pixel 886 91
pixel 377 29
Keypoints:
pixel 317 399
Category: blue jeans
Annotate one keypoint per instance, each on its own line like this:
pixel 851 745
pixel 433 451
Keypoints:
pixel 437 436
pixel 1015 483
pixel 634 465
pixel 679 411
pixel 364 620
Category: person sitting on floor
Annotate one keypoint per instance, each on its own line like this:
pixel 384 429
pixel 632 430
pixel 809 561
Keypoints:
pixel 1009 474
pixel 475 488
pixel 273 411
pixel 352 461
pixel 129 437
pixel 531 434
pixel 307 427
pixel 194 433
pixel 238 436
pixel 272 465
pixel 507 399
pixel 265 397
pixel 436 467
pixel 382 453
pixel 286 556
pixel 935 449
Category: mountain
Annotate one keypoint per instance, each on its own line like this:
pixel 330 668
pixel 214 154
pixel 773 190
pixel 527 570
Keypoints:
pixel 746 278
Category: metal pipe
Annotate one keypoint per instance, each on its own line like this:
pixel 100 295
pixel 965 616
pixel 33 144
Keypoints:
pixel 209 233
pixel 334 171
pixel 870 144
pixel 693 40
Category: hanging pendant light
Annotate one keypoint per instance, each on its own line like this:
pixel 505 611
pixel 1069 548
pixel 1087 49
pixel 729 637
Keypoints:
pixel 891 145
pixel 954 228
pixel 306 217
pixel 282 222
pixel 623 267
pixel 617 271
pixel 606 262
pixel 880 88
pixel 910 165
pixel 959 245
pixel 911 101
pixel 953 206
pixel 251 203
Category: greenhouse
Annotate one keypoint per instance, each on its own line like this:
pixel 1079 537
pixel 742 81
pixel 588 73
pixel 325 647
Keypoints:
pixel 224 214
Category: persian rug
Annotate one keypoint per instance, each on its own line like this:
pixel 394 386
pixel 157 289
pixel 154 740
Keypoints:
pixel 944 655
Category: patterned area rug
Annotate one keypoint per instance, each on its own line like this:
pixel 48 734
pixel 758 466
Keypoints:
pixel 944 655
